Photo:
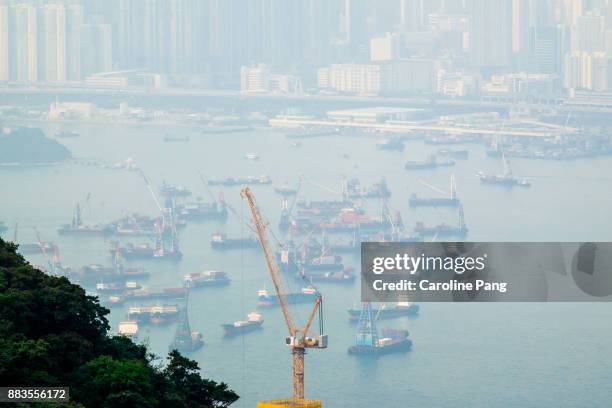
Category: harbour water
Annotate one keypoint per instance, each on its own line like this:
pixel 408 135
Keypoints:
pixel 479 355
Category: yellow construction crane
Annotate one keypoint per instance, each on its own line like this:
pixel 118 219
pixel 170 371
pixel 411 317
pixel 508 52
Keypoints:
pixel 298 339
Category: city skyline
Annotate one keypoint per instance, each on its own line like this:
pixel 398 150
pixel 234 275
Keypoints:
pixel 457 48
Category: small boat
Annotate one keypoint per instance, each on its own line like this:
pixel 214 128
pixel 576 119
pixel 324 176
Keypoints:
pixel 66 134
pixel 251 156
pixel 169 138
pixel 391 143
pixel 254 322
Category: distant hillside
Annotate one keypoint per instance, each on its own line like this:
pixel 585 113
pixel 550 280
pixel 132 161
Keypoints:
pixel 53 334
pixel 30 146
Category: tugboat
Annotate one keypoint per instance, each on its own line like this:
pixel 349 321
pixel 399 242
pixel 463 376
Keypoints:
pixel 253 323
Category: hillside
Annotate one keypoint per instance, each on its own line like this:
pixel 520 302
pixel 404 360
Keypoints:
pixel 53 334
pixel 25 145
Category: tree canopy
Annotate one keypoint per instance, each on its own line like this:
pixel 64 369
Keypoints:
pixel 53 334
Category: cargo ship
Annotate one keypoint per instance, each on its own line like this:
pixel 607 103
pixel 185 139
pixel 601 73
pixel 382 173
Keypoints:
pixel 116 288
pixel 110 274
pixel 254 322
pixel 450 201
pixel 327 263
pixel 145 294
pixel 31 249
pixel 416 201
pixel 400 309
pixel 343 276
pixel 168 190
pixel 202 211
pixel 309 133
pixel 3 227
pixel 206 279
pixel 429 164
pixel 307 294
pixel 391 143
pixel 369 343
pixel 392 341
pixel 454 154
pixel 452 139
pixel 505 179
pixel 241 181
pixel 129 329
pixel 185 339
pixel 154 314
pixel 76 227
pixel 440 230
pixel 286 190
pixel 221 242
pixel 377 190
pixel 135 225
pixel 324 207
pixel 136 251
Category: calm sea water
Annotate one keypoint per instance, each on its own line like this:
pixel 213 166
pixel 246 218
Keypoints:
pixel 480 355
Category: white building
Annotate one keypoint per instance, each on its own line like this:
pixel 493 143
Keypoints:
pixel 407 75
pixel 385 48
pixel 260 78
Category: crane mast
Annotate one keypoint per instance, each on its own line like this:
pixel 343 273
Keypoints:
pixel 298 338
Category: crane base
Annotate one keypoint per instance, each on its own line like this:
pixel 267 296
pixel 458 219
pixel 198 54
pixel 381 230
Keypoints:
pixel 289 403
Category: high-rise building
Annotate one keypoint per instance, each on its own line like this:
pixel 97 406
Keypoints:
pixel 412 15
pixel 26 49
pixel 96 49
pixel 4 43
pixel 490 35
pixel 589 33
pixel 385 48
pixel 53 44
pixel 356 27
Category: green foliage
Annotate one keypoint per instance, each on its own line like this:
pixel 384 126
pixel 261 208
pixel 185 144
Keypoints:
pixel 53 334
